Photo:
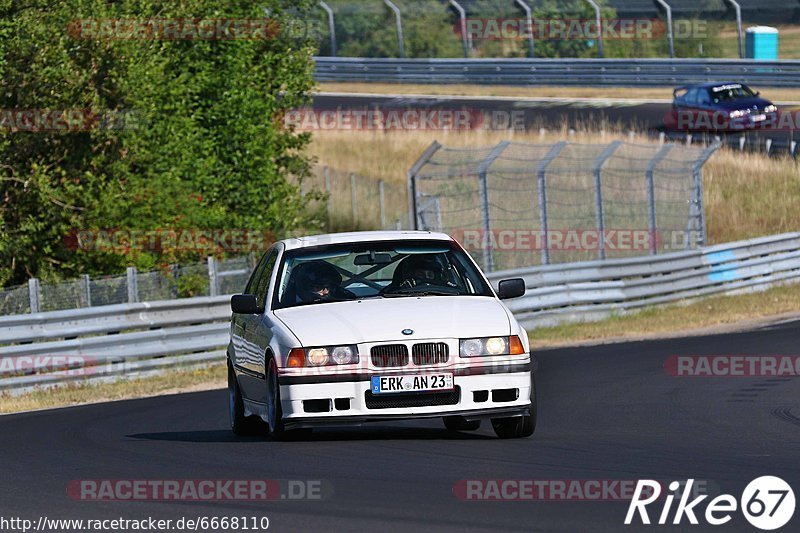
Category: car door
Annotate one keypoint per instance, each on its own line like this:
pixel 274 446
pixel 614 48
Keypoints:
pixel 257 333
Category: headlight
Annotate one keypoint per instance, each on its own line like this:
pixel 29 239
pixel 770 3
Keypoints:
pixel 770 109
pixel 488 346
pixel 332 355
pixel 737 114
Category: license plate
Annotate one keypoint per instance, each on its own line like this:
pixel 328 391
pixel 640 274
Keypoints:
pixel 411 383
pixel 759 118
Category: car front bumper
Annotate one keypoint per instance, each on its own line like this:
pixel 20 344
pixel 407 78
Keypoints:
pixel 346 399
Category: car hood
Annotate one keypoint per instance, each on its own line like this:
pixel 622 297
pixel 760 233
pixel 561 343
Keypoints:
pixel 743 103
pixel 379 320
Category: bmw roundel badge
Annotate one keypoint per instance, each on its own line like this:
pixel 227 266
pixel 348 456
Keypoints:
pixel 408 332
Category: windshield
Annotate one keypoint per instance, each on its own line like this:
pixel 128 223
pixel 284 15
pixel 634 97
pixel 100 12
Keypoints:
pixel 726 93
pixel 391 269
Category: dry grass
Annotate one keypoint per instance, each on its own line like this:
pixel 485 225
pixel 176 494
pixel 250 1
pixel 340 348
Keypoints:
pixel 747 195
pixel 211 377
pixel 647 93
pixel 713 312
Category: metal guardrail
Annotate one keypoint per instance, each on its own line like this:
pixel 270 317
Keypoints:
pixel 111 341
pixel 521 71
pixel 597 289
pixel 133 339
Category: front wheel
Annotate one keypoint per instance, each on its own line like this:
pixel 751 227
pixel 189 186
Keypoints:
pixel 516 427
pixel 240 424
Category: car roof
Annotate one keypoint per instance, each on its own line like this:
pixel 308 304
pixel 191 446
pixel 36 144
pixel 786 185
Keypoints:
pixel 362 236
pixel 708 85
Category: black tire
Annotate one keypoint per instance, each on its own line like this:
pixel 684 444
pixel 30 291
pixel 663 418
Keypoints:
pixel 274 411
pixel 458 423
pixel 240 424
pixel 518 427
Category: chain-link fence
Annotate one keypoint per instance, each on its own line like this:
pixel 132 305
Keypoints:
pixel 359 202
pixel 515 205
pixel 215 277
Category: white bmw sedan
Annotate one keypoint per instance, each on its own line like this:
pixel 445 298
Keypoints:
pixel 373 326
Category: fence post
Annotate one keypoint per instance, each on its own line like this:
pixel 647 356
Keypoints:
pixel 738 10
pixel 413 222
pixel 465 38
pixel 670 38
pixel 483 189
pixel 381 203
pixel 331 26
pixel 598 195
pixel 327 172
pixel 399 21
pixel 87 289
pixel 697 207
pixel 133 285
pixel 599 27
pixel 34 295
pixel 529 21
pixel 213 285
pixel 541 178
pixel 353 197
pixel 651 195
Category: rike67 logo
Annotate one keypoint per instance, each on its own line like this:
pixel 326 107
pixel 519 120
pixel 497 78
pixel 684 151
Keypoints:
pixel 767 503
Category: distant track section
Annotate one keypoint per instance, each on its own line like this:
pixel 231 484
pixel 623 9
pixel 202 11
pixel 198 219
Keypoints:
pixel 582 72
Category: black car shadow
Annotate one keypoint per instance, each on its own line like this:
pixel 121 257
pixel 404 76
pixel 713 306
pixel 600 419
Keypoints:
pixel 318 435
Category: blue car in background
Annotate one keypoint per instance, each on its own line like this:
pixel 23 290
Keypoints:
pixel 720 107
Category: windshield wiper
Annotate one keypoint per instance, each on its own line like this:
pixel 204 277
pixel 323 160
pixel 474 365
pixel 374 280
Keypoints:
pixel 400 294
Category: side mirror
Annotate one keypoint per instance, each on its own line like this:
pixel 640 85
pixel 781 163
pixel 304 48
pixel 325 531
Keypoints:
pixel 511 288
pixel 244 304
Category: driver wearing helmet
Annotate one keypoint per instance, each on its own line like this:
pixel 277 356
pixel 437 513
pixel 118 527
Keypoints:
pixel 318 281
pixel 416 270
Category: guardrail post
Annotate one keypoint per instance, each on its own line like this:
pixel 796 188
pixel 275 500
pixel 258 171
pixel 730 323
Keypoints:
pixel 213 280
pixel 87 289
pixel 670 37
pixel 133 285
pixel 399 21
pixel 413 219
pixel 353 205
pixel 529 20
pixel 541 178
pixel 34 295
pixel 599 27
pixel 598 195
pixel 382 203
pixel 331 26
pixel 651 196
pixel 465 37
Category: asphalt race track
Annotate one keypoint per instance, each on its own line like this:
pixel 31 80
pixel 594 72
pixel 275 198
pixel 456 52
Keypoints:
pixel 606 412
pixel 534 114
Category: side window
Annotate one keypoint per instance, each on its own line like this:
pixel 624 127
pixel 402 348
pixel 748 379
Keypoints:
pixel 704 97
pixel 262 286
pixel 254 277
pixel 691 96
